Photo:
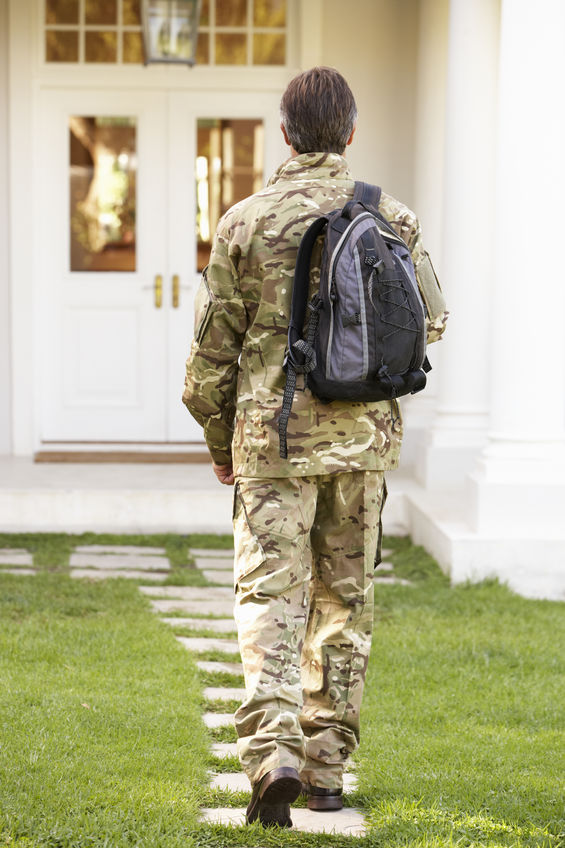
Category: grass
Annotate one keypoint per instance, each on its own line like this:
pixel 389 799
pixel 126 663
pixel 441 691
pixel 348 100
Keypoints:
pixel 102 743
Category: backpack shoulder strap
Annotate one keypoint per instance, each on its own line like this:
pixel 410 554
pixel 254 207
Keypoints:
pixel 300 290
pixel 301 284
pixel 367 195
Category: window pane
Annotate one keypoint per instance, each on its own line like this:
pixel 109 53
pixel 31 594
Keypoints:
pixel 231 12
pixel 205 13
pixel 100 46
pixel 269 13
pixel 101 12
pixel 231 49
pixel 132 48
pixel 203 49
pixel 269 49
pixel 102 193
pixel 61 12
pixel 61 46
pixel 131 13
pixel 229 167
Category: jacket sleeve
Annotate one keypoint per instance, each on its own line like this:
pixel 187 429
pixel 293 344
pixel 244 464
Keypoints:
pixel 212 366
pixel 437 314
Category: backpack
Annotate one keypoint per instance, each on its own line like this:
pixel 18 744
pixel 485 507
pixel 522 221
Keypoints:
pixel 366 336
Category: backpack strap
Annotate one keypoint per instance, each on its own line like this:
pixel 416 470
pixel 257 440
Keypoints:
pixel 368 196
pixel 298 358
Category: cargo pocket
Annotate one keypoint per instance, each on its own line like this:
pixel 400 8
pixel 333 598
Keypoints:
pixel 430 288
pixel 203 305
pixel 249 553
pixel 378 554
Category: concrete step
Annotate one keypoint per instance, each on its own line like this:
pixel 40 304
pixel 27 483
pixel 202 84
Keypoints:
pixel 224 693
pixel 200 646
pixel 346 822
pixel 218 625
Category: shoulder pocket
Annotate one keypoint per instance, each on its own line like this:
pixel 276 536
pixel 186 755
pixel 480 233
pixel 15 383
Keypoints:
pixel 430 287
pixel 203 304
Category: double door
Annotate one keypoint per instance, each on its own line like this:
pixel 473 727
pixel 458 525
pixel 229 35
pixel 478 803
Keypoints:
pixel 130 186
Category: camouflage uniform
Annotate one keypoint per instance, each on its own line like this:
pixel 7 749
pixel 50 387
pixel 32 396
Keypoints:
pixel 292 519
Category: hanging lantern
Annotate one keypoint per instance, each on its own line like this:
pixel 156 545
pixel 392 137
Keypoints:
pixel 170 30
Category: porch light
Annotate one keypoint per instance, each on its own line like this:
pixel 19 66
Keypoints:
pixel 170 30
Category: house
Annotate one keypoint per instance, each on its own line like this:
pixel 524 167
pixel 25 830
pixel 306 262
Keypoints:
pixel 112 175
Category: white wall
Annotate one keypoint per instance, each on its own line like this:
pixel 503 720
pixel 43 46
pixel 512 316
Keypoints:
pixel 374 44
pixel 5 381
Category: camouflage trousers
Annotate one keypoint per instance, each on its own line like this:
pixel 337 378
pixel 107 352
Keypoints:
pixel 304 561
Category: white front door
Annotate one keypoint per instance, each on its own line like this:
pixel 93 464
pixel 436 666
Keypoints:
pixel 118 259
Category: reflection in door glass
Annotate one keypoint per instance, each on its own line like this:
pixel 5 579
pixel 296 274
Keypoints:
pixel 229 167
pixel 103 164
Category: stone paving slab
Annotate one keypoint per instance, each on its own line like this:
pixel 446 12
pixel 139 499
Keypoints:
pixel 120 561
pixel 19 571
pixel 223 578
pixel 119 549
pixel 194 607
pixel 220 667
pixel 218 625
pixel 224 693
pixel 224 749
pixel 218 553
pixel 385 566
pixel 213 720
pixel 188 593
pixel 346 822
pixel 239 782
pixel 200 645
pixel 213 564
pixel 385 552
pixel 13 556
pixel 103 574
pixel 390 581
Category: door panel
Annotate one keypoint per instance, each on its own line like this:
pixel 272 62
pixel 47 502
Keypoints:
pixel 185 110
pixel 103 338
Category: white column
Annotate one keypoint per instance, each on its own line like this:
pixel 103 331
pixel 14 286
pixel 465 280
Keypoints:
pixel 429 165
pixel 5 353
pixel 519 487
pixel 459 430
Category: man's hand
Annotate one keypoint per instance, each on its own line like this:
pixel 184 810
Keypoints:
pixel 224 473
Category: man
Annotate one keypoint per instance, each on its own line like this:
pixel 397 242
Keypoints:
pixel 306 528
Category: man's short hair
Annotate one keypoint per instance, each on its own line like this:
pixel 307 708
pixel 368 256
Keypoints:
pixel 318 111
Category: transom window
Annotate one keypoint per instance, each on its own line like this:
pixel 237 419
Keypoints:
pixel 231 32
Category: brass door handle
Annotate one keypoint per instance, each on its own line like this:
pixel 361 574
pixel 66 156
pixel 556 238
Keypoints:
pixel 158 290
pixel 176 290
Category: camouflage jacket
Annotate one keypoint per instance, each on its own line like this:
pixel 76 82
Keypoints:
pixel 234 377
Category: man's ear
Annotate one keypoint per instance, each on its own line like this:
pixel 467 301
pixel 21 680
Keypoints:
pixel 286 138
pixel 350 139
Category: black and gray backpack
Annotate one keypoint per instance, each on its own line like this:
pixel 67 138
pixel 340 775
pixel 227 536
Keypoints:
pixel 366 335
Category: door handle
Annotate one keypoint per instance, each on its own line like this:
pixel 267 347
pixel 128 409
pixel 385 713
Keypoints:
pixel 176 290
pixel 158 290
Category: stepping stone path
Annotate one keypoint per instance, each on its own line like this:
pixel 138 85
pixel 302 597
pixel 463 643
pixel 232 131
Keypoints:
pixel 135 562
pixel 198 603
pixel 217 567
pixel 16 561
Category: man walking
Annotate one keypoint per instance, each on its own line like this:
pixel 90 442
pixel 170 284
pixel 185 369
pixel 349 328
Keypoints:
pixel 306 528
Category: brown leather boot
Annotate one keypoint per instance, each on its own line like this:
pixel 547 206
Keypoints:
pixel 272 796
pixel 323 799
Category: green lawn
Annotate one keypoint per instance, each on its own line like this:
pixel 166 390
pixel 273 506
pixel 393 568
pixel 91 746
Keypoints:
pixel 102 744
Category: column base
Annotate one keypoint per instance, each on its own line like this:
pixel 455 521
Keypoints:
pixel 529 560
pixel 449 450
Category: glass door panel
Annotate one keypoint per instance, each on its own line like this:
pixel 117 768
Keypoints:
pixel 103 165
